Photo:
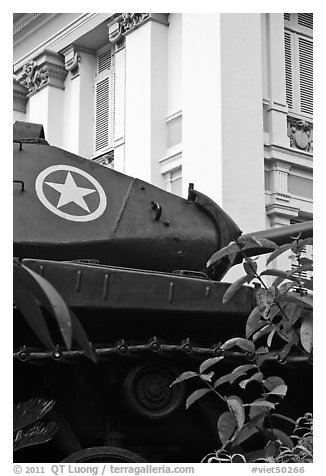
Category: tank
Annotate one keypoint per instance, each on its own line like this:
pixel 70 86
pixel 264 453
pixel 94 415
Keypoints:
pixel 129 262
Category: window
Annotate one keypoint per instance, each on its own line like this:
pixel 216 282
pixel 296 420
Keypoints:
pixel 104 103
pixel 298 43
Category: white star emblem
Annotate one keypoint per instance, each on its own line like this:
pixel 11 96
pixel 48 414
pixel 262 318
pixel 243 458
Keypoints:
pixel 70 192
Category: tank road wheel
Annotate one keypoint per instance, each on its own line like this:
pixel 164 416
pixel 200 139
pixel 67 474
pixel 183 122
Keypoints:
pixel 104 454
pixel 147 391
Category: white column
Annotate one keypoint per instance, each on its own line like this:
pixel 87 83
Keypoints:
pixel 201 104
pixel 242 120
pixel 277 108
pixel 145 129
pixel 44 79
pixel 78 125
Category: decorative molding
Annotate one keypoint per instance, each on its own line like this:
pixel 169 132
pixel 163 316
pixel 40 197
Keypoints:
pixel 295 157
pixel 19 96
pixel 45 70
pixel 279 180
pixel 32 77
pixel 129 22
pixel 26 20
pixel 275 211
pixel 300 133
pixel 72 59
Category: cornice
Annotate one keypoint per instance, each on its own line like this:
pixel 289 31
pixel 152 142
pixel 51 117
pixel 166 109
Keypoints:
pixel 25 21
pixel 297 157
pixel 61 36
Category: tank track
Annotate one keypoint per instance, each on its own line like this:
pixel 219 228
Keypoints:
pixel 153 345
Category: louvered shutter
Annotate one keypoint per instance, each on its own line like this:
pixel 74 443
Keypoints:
pixel 102 114
pixel 306 75
pixel 298 46
pixel 305 20
pixel 288 69
pixel 104 106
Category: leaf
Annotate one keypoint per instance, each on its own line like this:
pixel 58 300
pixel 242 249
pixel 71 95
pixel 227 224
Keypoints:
pixel 196 395
pixel 207 377
pixel 230 248
pixel 49 298
pixel 279 390
pixel 235 405
pixel 293 311
pixel 271 449
pixel 283 437
pixel 275 272
pixel 209 362
pixel 261 298
pixel 257 414
pixel 248 430
pixel 263 331
pixel 270 337
pixel 81 338
pixel 30 411
pixel 221 380
pixel 281 249
pixel 227 427
pixel 295 297
pixel 244 344
pixel 35 435
pixel 258 376
pixel 307 241
pixel 285 287
pixel 260 403
pixel 184 376
pixel 235 287
pixel 306 261
pixel 32 313
pixel 306 333
pixel 248 240
pixel 272 382
pixel 307 283
pixel 265 243
pixel 253 322
pixel 273 312
pixel 250 267
pixel 305 299
pixel 239 371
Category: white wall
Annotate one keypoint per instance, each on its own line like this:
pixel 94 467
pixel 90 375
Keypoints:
pixel 174 64
pixel 201 104
pixel 242 120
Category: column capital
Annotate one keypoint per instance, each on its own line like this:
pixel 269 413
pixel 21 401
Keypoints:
pixel 129 22
pixel 281 166
pixel 47 69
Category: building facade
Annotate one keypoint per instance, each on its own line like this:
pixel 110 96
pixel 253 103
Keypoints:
pixel 223 101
